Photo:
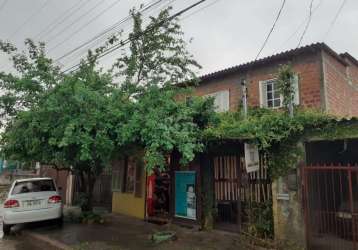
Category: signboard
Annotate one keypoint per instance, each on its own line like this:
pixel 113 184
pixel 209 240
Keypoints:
pixel 252 158
pixel 185 197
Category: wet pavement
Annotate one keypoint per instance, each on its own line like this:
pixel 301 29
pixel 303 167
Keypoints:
pixel 125 233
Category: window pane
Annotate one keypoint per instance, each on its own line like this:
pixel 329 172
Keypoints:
pixel 269 104
pixel 130 177
pixel 277 103
pixel 269 87
pixel 269 96
pixel 277 95
pixel 33 186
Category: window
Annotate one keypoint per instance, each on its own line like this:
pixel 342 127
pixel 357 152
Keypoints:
pixel 129 181
pixel 128 176
pixel 33 186
pixel 270 96
pixel 221 100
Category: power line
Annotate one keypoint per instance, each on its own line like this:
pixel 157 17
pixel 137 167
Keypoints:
pixel 307 25
pixel 60 19
pixel 107 30
pixel 299 27
pixel 75 21
pixel 201 9
pixel 102 40
pixel 123 43
pixel 85 25
pixel 271 30
pixel 28 19
pixel 3 4
pixel 334 19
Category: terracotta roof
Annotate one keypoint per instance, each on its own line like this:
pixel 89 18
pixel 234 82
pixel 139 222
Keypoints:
pixel 276 57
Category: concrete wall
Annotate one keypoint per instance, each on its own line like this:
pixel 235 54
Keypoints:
pixel 288 213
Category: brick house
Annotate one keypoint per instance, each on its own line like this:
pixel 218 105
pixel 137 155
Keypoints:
pixel 325 80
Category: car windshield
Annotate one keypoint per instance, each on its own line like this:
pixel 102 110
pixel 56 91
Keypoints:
pixel 33 186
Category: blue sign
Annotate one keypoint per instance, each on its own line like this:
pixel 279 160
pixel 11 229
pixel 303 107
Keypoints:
pixel 185 197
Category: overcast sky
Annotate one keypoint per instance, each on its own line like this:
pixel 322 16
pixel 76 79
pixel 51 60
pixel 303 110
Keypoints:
pixel 226 33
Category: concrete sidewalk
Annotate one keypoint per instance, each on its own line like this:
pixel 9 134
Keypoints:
pixel 125 233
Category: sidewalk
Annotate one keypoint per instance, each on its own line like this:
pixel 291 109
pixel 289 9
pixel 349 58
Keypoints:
pixel 125 233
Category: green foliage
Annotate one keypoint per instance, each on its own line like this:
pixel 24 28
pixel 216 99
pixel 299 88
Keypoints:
pixel 82 120
pixel 262 219
pixel 91 218
pixel 160 124
pixel 285 78
pixel 157 55
pixel 276 133
pixel 34 74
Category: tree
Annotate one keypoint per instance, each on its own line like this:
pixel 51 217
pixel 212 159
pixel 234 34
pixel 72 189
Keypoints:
pixel 71 127
pixel 82 120
pixel 161 122
pixel 34 74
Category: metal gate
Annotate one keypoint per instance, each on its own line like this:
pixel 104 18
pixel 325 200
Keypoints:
pixel 226 186
pixel 236 191
pixel 331 207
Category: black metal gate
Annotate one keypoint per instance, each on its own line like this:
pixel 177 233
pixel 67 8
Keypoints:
pixel 331 207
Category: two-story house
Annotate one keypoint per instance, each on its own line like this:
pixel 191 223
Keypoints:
pixel 325 80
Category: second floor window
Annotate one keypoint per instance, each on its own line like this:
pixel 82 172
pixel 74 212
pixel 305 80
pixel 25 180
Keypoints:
pixel 270 96
pixel 221 100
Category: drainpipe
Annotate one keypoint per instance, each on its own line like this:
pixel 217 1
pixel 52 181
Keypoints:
pixel 244 96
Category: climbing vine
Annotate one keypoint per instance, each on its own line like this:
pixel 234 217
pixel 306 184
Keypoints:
pixel 277 134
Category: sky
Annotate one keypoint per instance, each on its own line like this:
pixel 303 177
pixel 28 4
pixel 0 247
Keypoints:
pixel 223 33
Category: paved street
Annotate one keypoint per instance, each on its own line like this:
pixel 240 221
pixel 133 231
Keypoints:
pixel 14 243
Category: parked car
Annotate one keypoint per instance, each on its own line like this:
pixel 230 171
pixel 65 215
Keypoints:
pixel 31 200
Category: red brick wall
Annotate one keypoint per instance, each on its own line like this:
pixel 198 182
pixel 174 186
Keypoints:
pixel 341 94
pixel 309 72
pixel 308 68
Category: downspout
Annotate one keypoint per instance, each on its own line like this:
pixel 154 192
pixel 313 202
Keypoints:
pixel 323 85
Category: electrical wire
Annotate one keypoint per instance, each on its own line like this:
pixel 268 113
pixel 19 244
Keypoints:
pixel 271 30
pixel 75 21
pixel 334 20
pixel 107 30
pixel 304 21
pixel 128 40
pixel 60 19
pixel 28 19
pixel 201 9
pixel 149 8
pixel 307 24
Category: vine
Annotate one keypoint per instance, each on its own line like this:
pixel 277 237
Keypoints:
pixel 277 134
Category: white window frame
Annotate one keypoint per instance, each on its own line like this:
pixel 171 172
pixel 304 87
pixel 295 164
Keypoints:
pixel 263 93
pixel 221 100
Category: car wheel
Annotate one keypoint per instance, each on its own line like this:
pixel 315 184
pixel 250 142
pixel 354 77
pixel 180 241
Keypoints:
pixel 6 229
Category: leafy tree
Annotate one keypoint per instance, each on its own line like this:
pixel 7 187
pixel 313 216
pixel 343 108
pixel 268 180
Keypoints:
pixel 33 75
pixel 157 54
pixel 71 127
pixel 81 120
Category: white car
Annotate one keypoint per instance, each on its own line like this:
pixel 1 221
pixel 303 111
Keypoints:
pixel 30 200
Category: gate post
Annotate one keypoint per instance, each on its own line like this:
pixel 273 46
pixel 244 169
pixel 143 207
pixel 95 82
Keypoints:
pixel 306 205
pixel 351 207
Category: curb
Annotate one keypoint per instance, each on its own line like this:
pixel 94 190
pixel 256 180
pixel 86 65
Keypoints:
pixel 45 241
